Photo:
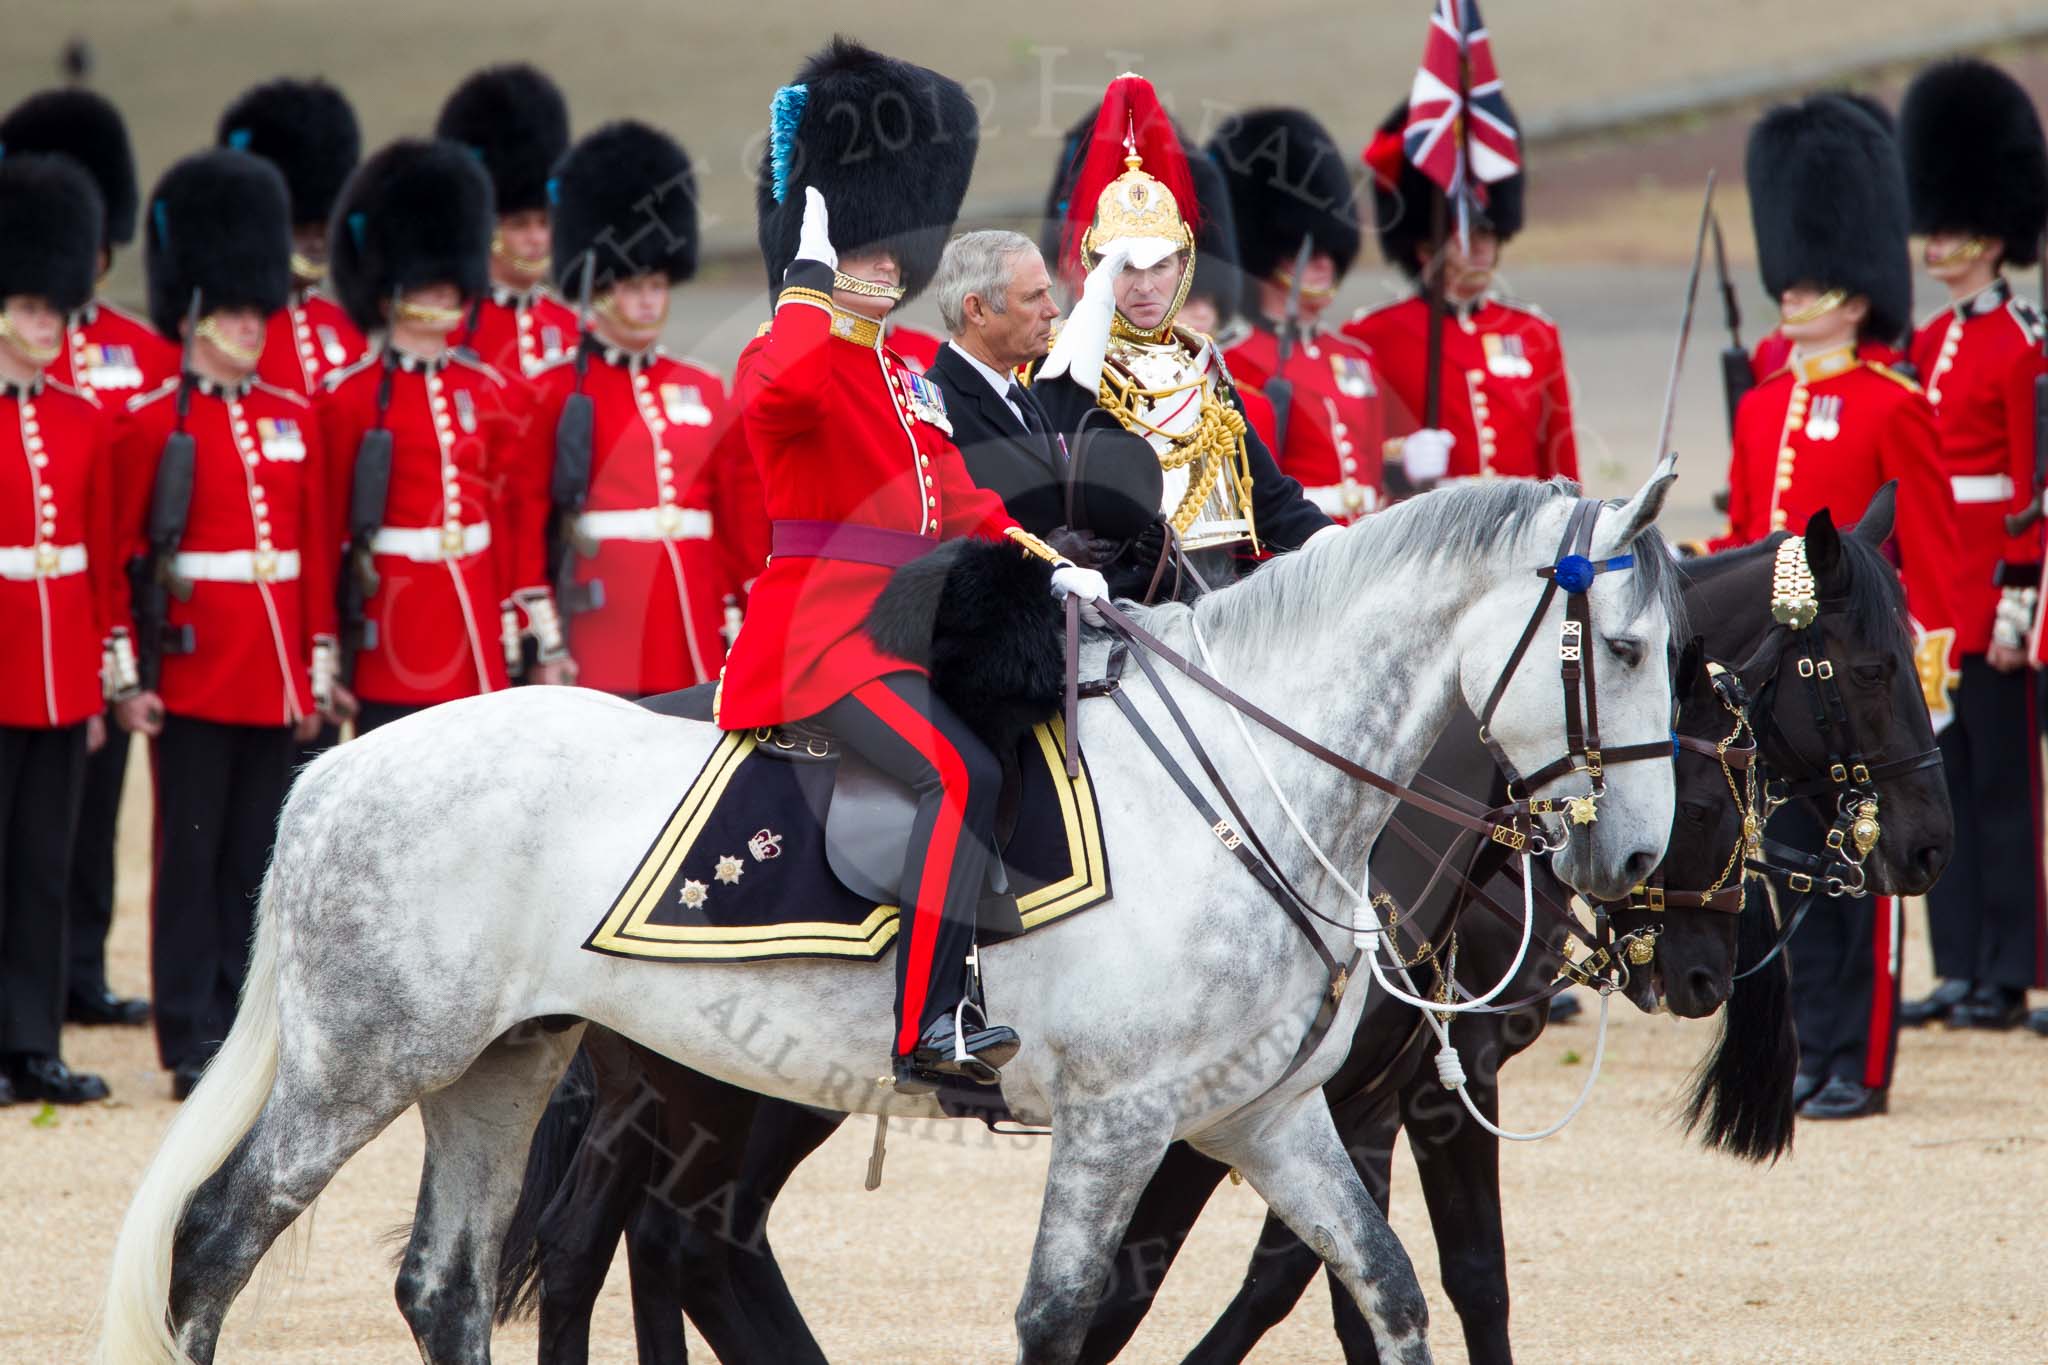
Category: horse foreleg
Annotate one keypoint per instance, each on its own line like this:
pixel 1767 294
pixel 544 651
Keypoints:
pixel 1102 1157
pixel 1459 1163
pixel 1293 1157
pixel 1165 1215
pixel 477 1129
pixel 1283 1265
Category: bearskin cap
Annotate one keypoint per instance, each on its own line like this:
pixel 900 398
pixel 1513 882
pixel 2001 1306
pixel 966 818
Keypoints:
pixel 49 230
pixel 416 213
pixel 1975 158
pixel 308 130
pixel 1216 273
pixel 513 117
pixel 1827 197
pixel 627 194
pixel 220 223
pixel 85 126
pixel 1404 199
pixel 1288 180
pixel 888 144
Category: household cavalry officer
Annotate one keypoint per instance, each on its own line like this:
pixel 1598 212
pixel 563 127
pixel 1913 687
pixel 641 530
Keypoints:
pixel 664 526
pixel 235 607
pixel 866 163
pixel 1504 398
pixel 1127 385
pixel 514 120
pixel 59 601
pixel 1828 202
pixel 307 129
pixel 446 535
pixel 112 355
pixel 1290 186
pixel 1977 178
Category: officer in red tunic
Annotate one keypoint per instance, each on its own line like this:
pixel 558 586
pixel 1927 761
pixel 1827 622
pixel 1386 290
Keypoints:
pixel 861 476
pixel 1828 201
pixel 453 575
pixel 59 571
pixel 236 673
pixel 1289 185
pixel 669 526
pixel 308 131
pixel 112 355
pixel 1977 174
pixel 1504 398
pixel 514 119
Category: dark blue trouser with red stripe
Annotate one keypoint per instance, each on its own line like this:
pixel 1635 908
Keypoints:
pixel 900 726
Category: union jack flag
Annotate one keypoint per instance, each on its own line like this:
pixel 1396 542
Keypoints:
pixel 1459 131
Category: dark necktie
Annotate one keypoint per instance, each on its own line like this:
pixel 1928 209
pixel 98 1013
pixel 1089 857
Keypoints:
pixel 1034 420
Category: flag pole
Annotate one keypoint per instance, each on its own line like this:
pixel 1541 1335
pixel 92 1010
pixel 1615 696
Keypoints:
pixel 1439 233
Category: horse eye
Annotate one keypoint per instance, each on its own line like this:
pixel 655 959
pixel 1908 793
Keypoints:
pixel 1694 812
pixel 1630 652
pixel 1869 673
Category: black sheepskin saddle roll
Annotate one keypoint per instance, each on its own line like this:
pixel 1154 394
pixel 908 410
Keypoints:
pixel 786 845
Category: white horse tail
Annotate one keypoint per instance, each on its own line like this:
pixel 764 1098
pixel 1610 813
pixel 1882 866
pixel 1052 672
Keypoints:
pixel 134 1320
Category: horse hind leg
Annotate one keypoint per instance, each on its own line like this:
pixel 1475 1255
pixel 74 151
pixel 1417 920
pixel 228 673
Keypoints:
pixel 1293 1157
pixel 477 1129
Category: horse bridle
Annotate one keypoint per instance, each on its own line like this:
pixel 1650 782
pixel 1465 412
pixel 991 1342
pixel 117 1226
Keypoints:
pixel 1848 774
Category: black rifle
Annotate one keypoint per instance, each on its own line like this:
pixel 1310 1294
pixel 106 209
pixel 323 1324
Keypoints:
pixel 2019 521
pixel 154 575
pixel 369 491
pixel 1280 389
pixel 1737 375
pixel 569 483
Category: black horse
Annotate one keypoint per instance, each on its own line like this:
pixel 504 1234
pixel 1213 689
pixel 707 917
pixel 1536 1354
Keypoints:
pixel 629 1122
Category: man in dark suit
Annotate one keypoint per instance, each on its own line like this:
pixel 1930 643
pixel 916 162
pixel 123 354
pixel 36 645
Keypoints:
pixel 995 298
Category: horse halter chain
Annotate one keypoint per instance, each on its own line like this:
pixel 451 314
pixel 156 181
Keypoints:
pixel 1849 775
pixel 1574 572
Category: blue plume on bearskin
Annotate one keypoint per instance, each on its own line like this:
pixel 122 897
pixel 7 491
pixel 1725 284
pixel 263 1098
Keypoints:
pixel 982 618
pixel 220 223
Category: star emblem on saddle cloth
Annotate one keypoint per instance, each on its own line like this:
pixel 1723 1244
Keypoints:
pixel 729 869
pixel 1584 810
pixel 694 894
pixel 1931 652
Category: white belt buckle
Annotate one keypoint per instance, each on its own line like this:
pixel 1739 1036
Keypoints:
pixel 264 566
pixel 668 518
pixel 48 560
pixel 451 541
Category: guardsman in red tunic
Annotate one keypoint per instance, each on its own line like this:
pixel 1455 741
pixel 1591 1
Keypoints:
pixel 861 476
pixel 59 602
pixel 513 117
pixel 667 523
pixel 1828 202
pixel 1505 400
pixel 456 574
pixel 308 131
pixel 112 355
pixel 1289 185
pixel 1977 173
pixel 235 614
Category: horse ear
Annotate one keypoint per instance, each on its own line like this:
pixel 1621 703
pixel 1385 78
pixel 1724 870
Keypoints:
pixel 1823 546
pixel 1640 511
pixel 1875 527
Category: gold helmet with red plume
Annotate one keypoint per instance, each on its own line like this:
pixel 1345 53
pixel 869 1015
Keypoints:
pixel 1133 186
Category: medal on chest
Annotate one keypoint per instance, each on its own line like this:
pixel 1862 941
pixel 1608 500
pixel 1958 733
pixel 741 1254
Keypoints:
pixel 1505 356
pixel 1354 376
pixel 1824 418
pixel 104 367
pixel 684 405
pixel 550 341
pixel 330 344
pixel 465 411
pixel 280 438
pixel 924 400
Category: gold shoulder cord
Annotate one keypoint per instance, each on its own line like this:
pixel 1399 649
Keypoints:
pixel 1032 545
pixel 1213 445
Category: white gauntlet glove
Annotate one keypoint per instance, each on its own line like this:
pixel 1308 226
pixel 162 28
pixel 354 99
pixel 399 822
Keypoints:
pixel 2014 620
pixel 326 669
pixel 814 237
pixel 1071 580
pixel 1426 454
pixel 1084 337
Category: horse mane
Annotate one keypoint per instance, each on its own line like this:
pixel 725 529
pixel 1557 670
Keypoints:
pixel 1876 603
pixel 1457 524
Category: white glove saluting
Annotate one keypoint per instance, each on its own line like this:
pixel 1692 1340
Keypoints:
pixel 1071 580
pixel 1084 339
pixel 814 237
pixel 1426 454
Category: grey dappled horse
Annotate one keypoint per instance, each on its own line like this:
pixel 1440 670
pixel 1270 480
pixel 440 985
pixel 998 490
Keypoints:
pixel 419 937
